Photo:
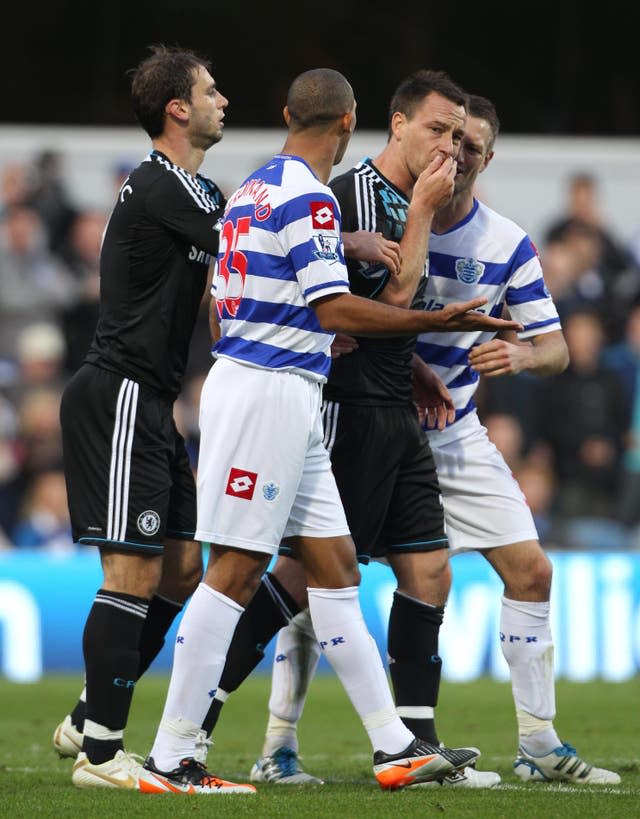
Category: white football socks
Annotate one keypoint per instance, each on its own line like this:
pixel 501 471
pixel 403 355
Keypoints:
pixel 346 643
pixel 296 656
pixel 527 646
pixel 202 643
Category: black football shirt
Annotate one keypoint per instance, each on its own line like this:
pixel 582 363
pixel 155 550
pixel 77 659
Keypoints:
pixel 379 371
pixel 161 236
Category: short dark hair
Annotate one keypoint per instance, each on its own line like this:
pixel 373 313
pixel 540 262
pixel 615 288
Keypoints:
pixel 319 96
pixel 168 73
pixel 483 108
pixel 414 88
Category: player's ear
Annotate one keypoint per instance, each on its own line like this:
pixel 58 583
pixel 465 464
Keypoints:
pixel 287 116
pixel 487 160
pixel 177 109
pixel 348 122
pixel 397 124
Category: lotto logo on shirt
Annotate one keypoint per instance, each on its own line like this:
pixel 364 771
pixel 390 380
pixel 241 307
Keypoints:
pixel 241 483
pixel 322 215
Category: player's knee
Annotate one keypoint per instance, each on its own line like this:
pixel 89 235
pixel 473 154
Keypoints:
pixel 424 576
pixel 541 574
pixel 443 574
pixel 338 577
pixel 533 582
pixel 290 573
pixel 188 582
pixel 131 573
pixel 353 576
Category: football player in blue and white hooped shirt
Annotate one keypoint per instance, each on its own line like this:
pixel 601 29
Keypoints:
pixel 280 250
pixel 476 251
pixel 264 474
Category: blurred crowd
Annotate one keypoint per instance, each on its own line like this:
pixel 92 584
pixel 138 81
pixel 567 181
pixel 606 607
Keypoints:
pixel 573 441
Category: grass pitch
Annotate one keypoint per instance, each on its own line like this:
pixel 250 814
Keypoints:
pixel 601 719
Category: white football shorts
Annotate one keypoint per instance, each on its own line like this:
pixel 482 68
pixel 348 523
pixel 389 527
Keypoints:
pixel 263 471
pixel 483 503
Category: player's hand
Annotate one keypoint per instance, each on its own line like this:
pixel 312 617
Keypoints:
pixel 434 187
pixel 367 246
pixel 464 315
pixel 500 357
pixel 433 399
pixel 342 345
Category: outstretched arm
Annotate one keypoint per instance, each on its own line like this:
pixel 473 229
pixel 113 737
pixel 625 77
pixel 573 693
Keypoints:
pixel 346 313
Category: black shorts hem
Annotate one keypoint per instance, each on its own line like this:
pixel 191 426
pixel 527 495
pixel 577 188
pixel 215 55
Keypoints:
pixel 123 546
pixel 180 535
pixel 286 551
pixel 418 546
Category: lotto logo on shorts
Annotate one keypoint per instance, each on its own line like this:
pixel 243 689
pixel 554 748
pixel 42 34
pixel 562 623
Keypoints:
pixel 241 483
pixel 322 215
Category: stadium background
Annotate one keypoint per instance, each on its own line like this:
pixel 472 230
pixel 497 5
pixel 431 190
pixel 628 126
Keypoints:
pixel 565 82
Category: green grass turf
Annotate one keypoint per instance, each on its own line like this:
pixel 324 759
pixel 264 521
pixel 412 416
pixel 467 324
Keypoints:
pixel 601 719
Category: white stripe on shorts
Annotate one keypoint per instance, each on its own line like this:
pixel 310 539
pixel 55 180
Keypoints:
pixel 120 469
pixel 330 411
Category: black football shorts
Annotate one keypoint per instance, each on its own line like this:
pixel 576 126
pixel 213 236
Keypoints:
pixel 129 481
pixel 386 475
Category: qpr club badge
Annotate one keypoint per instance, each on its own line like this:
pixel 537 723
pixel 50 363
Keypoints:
pixel 270 491
pixel 469 271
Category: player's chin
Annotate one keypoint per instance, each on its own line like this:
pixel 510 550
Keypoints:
pixel 214 138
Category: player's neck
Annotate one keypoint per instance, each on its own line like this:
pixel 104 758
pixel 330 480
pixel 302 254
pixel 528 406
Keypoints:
pixel 319 154
pixel 180 152
pixel 448 216
pixel 392 168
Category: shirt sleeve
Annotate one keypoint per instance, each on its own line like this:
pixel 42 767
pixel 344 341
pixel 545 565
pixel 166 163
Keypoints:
pixel 527 297
pixel 182 204
pixel 310 235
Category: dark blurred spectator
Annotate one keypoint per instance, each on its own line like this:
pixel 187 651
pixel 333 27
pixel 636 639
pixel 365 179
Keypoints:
pixel 560 270
pixel 604 271
pixel 539 486
pixel 585 416
pixel 44 518
pixel 82 256
pixel 39 416
pixel 624 360
pixel 516 397
pixel 11 460
pixel 576 279
pixel 40 353
pixel 29 424
pixel 38 360
pixel 48 195
pixel 14 186
pixel 583 207
pixel 81 251
pixel 593 533
pixel 505 432
pixel 34 286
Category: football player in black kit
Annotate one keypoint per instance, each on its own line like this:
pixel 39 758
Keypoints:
pixel 130 485
pixel 380 456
